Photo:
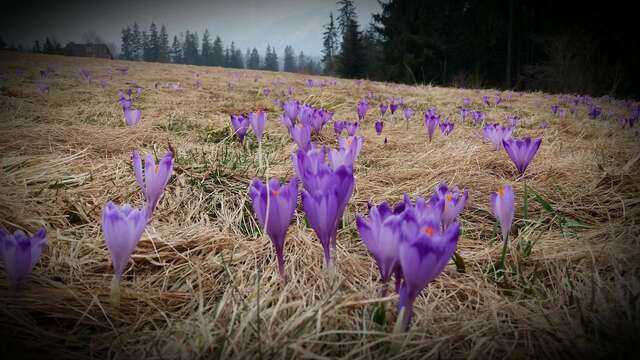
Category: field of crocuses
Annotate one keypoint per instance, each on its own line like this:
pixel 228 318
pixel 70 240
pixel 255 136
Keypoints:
pixel 173 211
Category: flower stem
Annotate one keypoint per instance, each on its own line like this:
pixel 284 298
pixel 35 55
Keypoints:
pixel 260 154
pixel 115 292
pixel 504 253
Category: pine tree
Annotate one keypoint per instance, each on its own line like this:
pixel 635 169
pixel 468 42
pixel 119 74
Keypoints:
pixel 330 44
pixel 48 47
pixel 126 48
pixel 254 60
pixel 351 62
pixel 236 57
pixel 205 54
pixel 289 59
pixel 347 13
pixel 226 62
pixel 176 51
pixel 247 55
pixel 217 53
pixel 163 50
pixel 136 43
pixel 190 51
pixel 36 47
pixel 154 43
pixel 146 47
pixel 271 59
pixel 301 61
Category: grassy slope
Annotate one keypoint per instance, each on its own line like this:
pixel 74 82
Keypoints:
pixel 191 287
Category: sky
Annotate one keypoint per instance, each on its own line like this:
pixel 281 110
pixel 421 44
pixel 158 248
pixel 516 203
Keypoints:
pixel 249 23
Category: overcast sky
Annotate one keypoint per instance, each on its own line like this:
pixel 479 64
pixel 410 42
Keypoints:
pixel 250 23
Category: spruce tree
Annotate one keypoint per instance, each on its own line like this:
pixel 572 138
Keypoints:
pixel 176 51
pixel 154 43
pixel 163 51
pixel 254 60
pixel 36 47
pixel 48 47
pixel 127 46
pixel 205 54
pixel 346 13
pixel 289 59
pixel 271 59
pixel 146 47
pixel 136 43
pixel 217 52
pixel 351 62
pixel 330 44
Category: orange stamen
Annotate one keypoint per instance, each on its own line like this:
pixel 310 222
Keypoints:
pixel 275 192
pixel 427 230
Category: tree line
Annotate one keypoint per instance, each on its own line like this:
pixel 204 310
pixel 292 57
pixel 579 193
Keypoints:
pixel 507 44
pixel 154 45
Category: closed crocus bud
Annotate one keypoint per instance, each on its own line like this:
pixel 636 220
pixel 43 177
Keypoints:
pixel 503 207
pixel 274 205
pixel 132 116
pixel 408 113
pixel 351 128
pixel 383 108
pixel 381 235
pixel 446 128
pixel 258 121
pixel 20 253
pixel 496 134
pixel 301 135
pixel 363 106
pixel 154 178
pixel 379 126
pixel 122 228
pixel 431 120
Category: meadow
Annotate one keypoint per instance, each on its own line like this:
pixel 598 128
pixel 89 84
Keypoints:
pixel 203 280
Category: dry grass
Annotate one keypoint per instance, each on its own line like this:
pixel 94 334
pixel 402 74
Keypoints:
pixel 203 282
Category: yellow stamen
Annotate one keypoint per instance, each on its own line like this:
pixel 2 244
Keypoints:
pixel 156 169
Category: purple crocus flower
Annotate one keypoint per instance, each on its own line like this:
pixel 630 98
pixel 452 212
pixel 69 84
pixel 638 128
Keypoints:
pixel 496 134
pixel 594 111
pixel 381 235
pixel 103 83
pixel 498 100
pixel 123 70
pixel 424 252
pixel 42 87
pixel 20 253
pixel 154 178
pixel 485 100
pixel 431 120
pixel 393 106
pixel 339 126
pixel 86 75
pixel 290 90
pixel 274 205
pixel 466 101
pixel 464 113
pixel 327 189
pixel 514 120
pixel 379 125
pixel 454 202
pixel 301 135
pixel 446 128
pixel 132 116
pixel 258 121
pixel 478 116
pixel 323 205
pixel 554 109
pixel 383 108
pixel 363 106
pixel 521 151
pixel 122 228
pixel 291 109
pixel 125 102
pixel 408 113
pixel 503 207
pixel 266 91
pixel 351 128
pixel 240 125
